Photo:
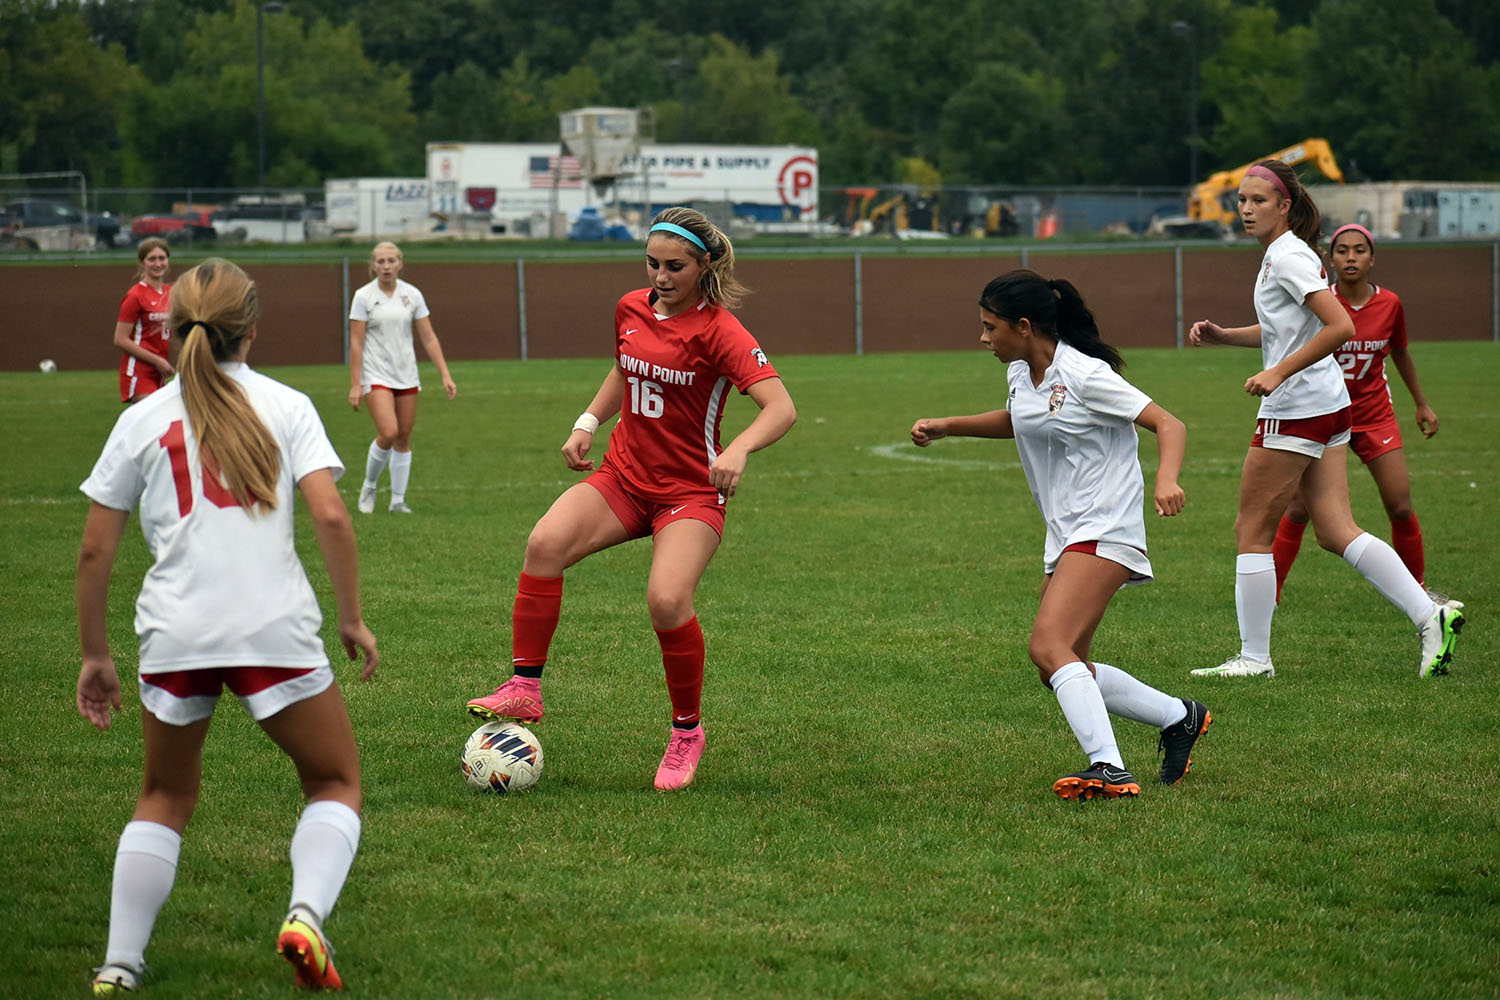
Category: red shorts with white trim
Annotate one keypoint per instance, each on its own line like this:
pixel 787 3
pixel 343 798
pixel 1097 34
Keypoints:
pixel 1374 440
pixel 1115 552
pixel 394 392
pixel 182 697
pixel 1306 436
pixel 642 517
pixel 143 381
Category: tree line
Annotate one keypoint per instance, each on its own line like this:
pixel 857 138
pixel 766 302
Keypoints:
pixel 163 93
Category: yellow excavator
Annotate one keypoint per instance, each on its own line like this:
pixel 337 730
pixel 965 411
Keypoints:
pixel 1214 200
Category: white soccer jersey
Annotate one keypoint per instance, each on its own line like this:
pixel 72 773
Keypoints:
pixel 225 588
pixel 1289 273
pixel 1076 437
pixel 390 357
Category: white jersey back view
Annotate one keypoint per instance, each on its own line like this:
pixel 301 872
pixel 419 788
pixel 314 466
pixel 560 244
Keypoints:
pixel 226 588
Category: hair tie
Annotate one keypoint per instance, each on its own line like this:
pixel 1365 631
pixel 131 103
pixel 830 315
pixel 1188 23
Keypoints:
pixel 687 234
pixel 1270 175
pixel 1346 228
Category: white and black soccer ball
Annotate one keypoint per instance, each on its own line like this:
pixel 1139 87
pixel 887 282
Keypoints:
pixel 503 758
pixel 47 365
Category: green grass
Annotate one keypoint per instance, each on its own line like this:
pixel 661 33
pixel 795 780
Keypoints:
pixel 874 816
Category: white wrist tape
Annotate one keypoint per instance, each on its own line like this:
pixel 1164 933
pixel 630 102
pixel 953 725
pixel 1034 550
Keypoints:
pixel 586 422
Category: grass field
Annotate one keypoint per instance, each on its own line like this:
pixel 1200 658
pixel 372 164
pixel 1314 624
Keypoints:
pixel 873 817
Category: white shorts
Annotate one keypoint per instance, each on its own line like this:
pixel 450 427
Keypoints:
pixel 182 697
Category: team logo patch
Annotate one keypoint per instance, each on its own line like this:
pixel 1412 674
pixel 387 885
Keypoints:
pixel 405 300
pixel 1265 274
pixel 759 356
pixel 1057 399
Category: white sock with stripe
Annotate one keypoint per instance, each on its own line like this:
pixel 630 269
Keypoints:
pixel 400 475
pixel 323 849
pixel 1255 602
pixel 1379 563
pixel 1083 706
pixel 145 868
pixel 1129 698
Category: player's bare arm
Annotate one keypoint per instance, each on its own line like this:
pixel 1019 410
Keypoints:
pixel 1208 332
pixel 98 682
pixel 994 424
pixel 434 351
pixel 1337 328
pixel 356 359
pixel 1427 419
pixel 1171 446
pixel 777 415
pixel 336 540
pixel 604 405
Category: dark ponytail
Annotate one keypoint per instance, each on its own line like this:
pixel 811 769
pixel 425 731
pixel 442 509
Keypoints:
pixel 1054 307
pixel 1303 218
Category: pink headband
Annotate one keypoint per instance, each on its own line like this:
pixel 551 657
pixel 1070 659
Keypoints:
pixel 1270 175
pixel 1357 228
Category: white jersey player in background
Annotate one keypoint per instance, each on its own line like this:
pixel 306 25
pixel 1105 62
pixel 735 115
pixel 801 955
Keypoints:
pixel 383 370
pixel 1074 418
pixel 211 460
pixel 1303 430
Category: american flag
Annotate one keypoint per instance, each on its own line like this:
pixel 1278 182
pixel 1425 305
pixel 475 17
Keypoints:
pixel 541 167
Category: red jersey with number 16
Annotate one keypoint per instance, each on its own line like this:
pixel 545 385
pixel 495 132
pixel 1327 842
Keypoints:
pixel 678 372
pixel 1379 325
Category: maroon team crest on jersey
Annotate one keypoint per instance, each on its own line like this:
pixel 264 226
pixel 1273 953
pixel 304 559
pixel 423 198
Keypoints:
pixel 1265 274
pixel 405 300
pixel 1057 399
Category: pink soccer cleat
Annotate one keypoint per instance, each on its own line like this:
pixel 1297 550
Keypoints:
pixel 680 762
pixel 519 698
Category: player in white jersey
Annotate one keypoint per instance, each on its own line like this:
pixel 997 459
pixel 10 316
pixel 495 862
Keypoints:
pixel 1073 418
pixel 383 370
pixel 212 461
pixel 1303 430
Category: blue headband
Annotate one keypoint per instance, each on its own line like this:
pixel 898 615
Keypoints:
pixel 687 234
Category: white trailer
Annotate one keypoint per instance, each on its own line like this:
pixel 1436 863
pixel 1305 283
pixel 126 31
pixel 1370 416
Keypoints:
pixel 377 206
pixel 513 186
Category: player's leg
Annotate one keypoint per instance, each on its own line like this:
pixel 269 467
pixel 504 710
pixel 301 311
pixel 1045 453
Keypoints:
pixel 1268 481
pixel 1393 480
pixel 1288 540
pixel 1073 603
pixel 381 405
pixel 680 553
pixel 406 421
pixel 149 846
pixel 578 524
pixel 316 734
pixel 1326 488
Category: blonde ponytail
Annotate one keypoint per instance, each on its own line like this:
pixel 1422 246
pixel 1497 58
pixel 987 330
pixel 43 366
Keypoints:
pixel 214 306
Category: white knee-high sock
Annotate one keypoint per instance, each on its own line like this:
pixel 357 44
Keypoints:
pixel 375 463
pixel 1379 563
pixel 400 475
pixel 1255 602
pixel 1083 706
pixel 323 848
pixel 1126 696
pixel 145 868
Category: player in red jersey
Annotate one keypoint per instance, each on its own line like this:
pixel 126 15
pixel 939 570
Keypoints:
pixel 1379 330
pixel 141 328
pixel 678 352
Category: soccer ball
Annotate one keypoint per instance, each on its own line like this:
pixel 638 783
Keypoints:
pixel 502 757
pixel 48 365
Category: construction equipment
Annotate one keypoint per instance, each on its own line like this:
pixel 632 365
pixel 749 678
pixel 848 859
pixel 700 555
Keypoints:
pixel 1214 200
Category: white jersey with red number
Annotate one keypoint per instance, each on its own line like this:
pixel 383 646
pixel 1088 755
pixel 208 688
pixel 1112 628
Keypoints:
pixel 1075 433
pixel 1379 325
pixel 678 371
pixel 390 359
pixel 225 588
pixel 147 311
pixel 1289 273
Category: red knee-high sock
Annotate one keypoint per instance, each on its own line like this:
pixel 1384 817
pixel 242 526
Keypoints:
pixel 1406 539
pixel 533 620
pixel 682 654
pixel 1284 549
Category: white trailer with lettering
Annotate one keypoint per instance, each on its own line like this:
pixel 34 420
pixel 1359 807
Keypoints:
pixel 377 206
pixel 513 185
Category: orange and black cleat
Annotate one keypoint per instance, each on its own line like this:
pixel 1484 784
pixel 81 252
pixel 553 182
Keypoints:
pixel 1099 781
